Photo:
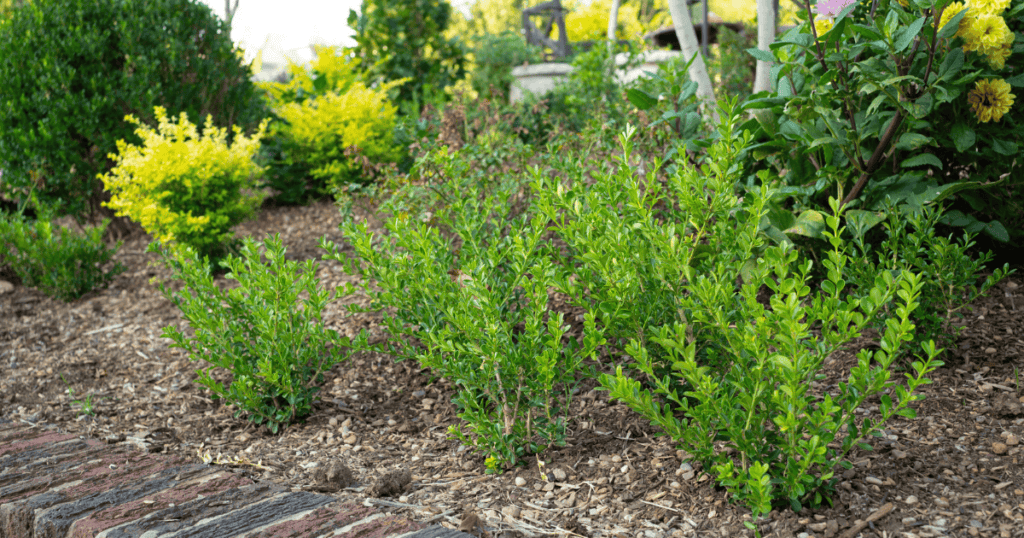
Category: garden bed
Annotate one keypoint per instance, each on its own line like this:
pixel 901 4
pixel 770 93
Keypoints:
pixel 954 471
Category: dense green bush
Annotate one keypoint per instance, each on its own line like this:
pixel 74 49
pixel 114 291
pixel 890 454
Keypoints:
pixel 186 188
pixel 65 268
pixel 405 40
pixel 276 352
pixel 73 69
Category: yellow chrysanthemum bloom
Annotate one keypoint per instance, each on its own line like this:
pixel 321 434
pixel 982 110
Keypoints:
pixel 991 7
pixel 990 99
pixel 997 57
pixel 822 26
pixel 951 11
pixel 987 32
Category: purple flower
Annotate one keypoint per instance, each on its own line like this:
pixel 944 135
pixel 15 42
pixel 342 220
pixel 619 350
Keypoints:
pixel 831 8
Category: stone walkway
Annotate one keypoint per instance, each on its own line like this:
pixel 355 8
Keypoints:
pixel 56 485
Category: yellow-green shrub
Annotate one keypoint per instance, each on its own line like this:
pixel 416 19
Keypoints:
pixel 322 132
pixel 335 71
pixel 186 188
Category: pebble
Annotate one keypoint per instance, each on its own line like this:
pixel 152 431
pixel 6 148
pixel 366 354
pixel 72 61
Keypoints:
pixel 899 454
pixel 999 448
pixel 512 511
pixel 616 458
pixel 688 475
pixel 419 394
pixel 685 467
pixel 6 287
pixel 559 475
pixel 548 487
pixel 333 421
pixel 911 499
pixel 817 527
pixel 403 499
pixel 624 469
pixel 520 481
pixel 392 422
pixel 1012 440
pixel 942 502
pixel 351 439
pixel 675 485
pixel 990 350
pixel 347 423
pixel 873 480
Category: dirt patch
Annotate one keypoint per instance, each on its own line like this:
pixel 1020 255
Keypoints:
pixel 954 471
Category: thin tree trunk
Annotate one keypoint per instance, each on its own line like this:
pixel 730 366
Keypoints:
pixel 229 11
pixel 683 24
pixel 765 37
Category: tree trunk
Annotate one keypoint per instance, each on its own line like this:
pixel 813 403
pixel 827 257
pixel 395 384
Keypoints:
pixel 765 37
pixel 683 24
pixel 229 11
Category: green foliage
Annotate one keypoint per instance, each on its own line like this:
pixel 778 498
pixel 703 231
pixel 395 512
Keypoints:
pixel 495 56
pixel 741 372
pixel 73 69
pixel 731 67
pixel 272 340
pixel 65 268
pixel 949 274
pixel 402 39
pixel 477 304
pixel 183 187
pixel 880 107
pixel 330 71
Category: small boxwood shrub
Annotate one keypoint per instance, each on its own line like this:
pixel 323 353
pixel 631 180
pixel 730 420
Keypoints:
pixel 186 188
pixel 65 268
pixel 73 69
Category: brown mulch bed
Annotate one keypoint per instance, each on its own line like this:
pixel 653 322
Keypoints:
pixel 954 471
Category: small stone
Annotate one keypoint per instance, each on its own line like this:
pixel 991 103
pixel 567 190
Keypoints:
pixel 511 511
pixel 911 499
pixel 685 467
pixel 942 502
pixel 873 480
pixel 1012 440
pixel 999 448
pixel 520 481
pixel 675 485
pixel 392 422
pixel 990 350
pixel 351 439
pixel 548 487
pixel 403 499
pixel 817 527
pixel 803 535
pixel 347 423
pixel 6 287
pixel 624 469
pixel 899 454
pixel 616 458
pixel 559 475
pixel 688 475
pixel 333 421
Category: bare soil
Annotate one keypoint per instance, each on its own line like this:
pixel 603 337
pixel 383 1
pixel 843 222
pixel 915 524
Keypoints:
pixel 380 433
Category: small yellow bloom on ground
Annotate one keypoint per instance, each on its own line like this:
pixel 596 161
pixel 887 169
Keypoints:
pixel 990 99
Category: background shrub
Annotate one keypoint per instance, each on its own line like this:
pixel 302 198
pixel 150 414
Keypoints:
pixel 495 56
pixel 186 188
pixel 65 268
pixel 73 69
pixel 405 39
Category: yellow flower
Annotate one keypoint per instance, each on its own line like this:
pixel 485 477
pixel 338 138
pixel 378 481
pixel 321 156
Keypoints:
pixel 991 7
pixel 997 57
pixel 988 32
pixel 822 26
pixel 990 99
pixel 951 11
pixel 903 3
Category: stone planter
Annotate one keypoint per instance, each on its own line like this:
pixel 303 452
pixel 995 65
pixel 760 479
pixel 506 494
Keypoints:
pixel 541 78
pixel 536 79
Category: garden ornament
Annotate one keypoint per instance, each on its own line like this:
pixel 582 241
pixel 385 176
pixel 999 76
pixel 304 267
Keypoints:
pixel 541 35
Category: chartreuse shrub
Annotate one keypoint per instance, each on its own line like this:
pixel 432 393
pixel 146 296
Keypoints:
pixel 740 372
pixel 183 187
pixel 65 267
pixel 268 331
pixel 333 129
pixel 331 133
pixel 467 297
pixel 911 101
pixel 73 69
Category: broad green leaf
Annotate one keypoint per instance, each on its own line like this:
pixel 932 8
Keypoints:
pixel 761 55
pixel 922 159
pixel 1004 147
pixel 956 218
pixel 997 231
pixel 963 137
pixel 859 221
pixel 810 223
pixel 913 141
pixel 1017 81
pixel 640 99
pixel 907 35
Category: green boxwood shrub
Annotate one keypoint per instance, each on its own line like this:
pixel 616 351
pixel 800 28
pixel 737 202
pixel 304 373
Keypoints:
pixel 73 69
